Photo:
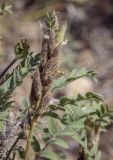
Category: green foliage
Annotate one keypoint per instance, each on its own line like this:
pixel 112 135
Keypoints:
pixel 49 155
pixel 52 23
pixel 22 48
pixel 5 9
pixel 35 144
pixel 16 77
pixel 13 80
pixel 24 106
pixel 74 75
pixel 3 119
pixel 81 114
pixel 60 143
pixel 21 152
pixel 19 73
pixel 81 118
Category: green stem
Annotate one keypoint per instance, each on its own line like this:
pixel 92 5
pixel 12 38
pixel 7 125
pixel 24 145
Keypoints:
pixel 29 139
pixel 34 120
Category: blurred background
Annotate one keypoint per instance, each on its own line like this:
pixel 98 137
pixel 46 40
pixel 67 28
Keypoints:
pixel 90 45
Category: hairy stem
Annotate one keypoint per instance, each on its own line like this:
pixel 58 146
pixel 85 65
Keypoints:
pixel 7 68
pixel 35 119
pixel 45 73
pixel 29 139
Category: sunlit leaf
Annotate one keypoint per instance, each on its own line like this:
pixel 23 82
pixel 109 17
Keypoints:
pixel 49 155
pixel 60 143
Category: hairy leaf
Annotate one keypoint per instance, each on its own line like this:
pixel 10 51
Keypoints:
pixel 19 73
